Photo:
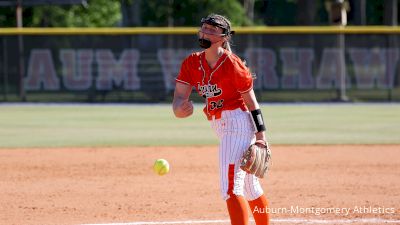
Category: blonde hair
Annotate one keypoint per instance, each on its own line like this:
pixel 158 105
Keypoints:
pixel 227 45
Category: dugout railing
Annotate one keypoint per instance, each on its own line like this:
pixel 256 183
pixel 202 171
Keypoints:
pixel 292 64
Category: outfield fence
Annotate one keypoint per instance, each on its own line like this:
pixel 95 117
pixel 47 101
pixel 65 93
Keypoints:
pixel 140 64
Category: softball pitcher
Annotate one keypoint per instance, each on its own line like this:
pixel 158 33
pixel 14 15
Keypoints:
pixel 233 111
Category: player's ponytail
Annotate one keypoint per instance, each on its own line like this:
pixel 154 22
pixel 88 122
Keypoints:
pixel 227 45
pixel 229 33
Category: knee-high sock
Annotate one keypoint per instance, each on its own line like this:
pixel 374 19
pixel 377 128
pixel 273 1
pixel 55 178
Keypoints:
pixel 259 209
pixel 237 207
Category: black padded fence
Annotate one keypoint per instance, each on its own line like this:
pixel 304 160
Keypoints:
pixel 142 67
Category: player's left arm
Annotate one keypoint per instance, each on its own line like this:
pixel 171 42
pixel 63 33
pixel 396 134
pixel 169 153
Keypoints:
pixel 243 81
pixel 252 104
pixel 256 159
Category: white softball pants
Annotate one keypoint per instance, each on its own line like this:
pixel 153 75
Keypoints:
pixel 235 132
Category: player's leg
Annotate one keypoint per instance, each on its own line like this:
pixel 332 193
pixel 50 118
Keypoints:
pixel 257 200
pixel 232 181
pixel 237 208
pixel 236 137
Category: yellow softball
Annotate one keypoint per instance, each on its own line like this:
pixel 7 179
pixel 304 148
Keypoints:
pixel 161 167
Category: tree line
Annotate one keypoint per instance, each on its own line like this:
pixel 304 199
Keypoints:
pixel 133 13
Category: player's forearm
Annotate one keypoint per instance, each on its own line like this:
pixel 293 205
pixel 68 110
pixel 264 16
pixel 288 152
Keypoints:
pixel 250 100
pixel 177 102
pixel 182 107
pixel 252 105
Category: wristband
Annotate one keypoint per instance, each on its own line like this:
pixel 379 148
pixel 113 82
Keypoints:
pixel 258 120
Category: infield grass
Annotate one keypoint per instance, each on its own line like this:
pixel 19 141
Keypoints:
pixel 154 125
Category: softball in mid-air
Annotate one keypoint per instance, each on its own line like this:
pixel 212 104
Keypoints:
pixel 161 167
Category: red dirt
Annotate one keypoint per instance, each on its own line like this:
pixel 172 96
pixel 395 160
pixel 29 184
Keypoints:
pixel 111 185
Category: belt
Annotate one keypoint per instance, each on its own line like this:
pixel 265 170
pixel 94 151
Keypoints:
pixel 218 114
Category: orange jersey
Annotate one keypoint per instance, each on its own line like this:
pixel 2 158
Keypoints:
pixel 221 86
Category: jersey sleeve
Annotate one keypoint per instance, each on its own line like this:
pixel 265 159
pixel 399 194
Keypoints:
pixel 242 78
pixel 184 74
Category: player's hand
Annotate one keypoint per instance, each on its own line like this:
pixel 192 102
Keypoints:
pixel 184 109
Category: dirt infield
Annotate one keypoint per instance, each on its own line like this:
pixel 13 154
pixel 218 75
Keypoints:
pixel 112 185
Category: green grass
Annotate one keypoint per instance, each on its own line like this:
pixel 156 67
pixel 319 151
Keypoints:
pixel 148 125
pixel 334 124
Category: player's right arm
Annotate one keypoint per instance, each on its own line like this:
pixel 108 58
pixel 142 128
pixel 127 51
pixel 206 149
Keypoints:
pixel 181 105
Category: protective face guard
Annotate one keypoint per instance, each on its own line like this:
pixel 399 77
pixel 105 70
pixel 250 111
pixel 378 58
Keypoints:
pixel 210 32
pixel 214 22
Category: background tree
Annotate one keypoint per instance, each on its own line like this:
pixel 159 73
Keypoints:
pixel 189 12
pixel 97 13
pixel 7 17
pixel 306 11
pixel 132 13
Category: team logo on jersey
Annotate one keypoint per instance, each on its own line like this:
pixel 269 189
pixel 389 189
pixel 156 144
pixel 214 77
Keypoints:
pixel 209 90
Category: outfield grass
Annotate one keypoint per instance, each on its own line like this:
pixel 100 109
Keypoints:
pixel 147 125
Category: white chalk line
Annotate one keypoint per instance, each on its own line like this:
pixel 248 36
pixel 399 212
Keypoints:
pixel 277 220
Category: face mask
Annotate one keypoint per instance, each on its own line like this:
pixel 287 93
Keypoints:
pixel 204 43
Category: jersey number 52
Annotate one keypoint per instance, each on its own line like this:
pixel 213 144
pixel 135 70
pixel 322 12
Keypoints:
pixel 216 105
